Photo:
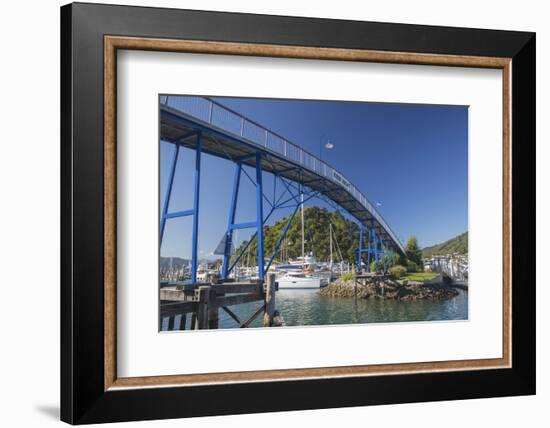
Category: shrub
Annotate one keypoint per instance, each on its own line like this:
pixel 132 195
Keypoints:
pixel 411 266
pixel 373 266
pixel 348 276
pixel 398 271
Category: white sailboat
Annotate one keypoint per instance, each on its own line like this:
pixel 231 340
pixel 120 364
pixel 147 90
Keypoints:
pixel 299 273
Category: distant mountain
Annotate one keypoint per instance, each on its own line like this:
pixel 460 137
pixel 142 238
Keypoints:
pixel 174 262
pixel 458 244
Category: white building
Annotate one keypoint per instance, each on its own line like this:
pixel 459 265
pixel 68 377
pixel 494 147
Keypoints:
pixel 454 265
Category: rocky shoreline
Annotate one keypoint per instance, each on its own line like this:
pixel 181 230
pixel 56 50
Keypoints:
pixel 385 287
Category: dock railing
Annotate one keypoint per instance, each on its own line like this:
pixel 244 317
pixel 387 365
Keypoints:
pixel 203 302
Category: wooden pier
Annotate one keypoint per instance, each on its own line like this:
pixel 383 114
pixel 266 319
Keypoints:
pixel 362 278
pixel 204 301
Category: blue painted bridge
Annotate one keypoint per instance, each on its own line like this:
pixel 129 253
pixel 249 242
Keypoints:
pixel 206 126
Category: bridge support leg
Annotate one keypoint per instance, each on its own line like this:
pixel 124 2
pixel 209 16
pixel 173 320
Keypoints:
pixel 375 247
pixel 282 237
pixel 369 250
pixel 194 249
pixel 260 215
pixel 383 253
pixel 168 192
pixel 360 249
pixel 231 221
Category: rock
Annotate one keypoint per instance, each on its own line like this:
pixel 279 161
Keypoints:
pixel 384 287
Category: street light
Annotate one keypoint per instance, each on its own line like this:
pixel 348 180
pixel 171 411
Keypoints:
pixel 328 146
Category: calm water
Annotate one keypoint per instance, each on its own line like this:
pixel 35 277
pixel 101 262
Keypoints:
pixel 308 307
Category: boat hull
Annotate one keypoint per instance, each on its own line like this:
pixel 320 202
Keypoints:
pixel 299 283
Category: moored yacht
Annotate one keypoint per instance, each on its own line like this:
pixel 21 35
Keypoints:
pixel 298 280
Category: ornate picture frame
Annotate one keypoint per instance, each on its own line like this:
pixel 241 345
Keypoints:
pixel 91 390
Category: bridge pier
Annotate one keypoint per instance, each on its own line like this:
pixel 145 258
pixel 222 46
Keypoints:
pixel 360 249
pixel 195 238
pixel 260 215
pixel 374 240
pixel 231 220
pixel 192 212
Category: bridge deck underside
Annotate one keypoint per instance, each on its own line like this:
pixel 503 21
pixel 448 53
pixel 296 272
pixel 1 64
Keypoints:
pixel 215 141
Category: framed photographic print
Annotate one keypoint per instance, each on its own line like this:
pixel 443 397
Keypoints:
pixel 274 213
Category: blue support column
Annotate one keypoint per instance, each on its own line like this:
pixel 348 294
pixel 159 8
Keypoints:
pixel 194 249
pixel 168 192
pixel 260 215
pixel 360 250
pixel 388 248
pixel 375 247
pixel 369 250
pixel 383 253
pixel 392 255
pixel 280 240
pixel 231 220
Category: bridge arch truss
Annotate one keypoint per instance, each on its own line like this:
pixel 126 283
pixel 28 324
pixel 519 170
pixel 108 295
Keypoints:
pixel 206 126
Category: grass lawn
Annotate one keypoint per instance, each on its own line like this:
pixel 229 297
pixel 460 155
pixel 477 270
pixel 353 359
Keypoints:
pixel 419 276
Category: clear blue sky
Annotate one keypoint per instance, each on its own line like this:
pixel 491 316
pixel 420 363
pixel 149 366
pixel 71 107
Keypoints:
pixel 412 159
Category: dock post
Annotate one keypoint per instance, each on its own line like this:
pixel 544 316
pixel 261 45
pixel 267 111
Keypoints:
pixel 202 311
pixel 213 312
pixel 171 322
pixel 269 300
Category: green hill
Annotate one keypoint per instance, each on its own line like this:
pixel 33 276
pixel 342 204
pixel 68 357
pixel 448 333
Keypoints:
pixel 316 227
pixel 458 244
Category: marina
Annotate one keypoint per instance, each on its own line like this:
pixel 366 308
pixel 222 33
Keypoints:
pixel 309 307
pixel 311 266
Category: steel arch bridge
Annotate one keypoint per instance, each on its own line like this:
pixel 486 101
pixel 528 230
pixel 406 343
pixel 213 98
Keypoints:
pixel 206 126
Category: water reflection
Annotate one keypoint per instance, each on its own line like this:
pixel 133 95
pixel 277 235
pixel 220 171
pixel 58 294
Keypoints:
pixel 308 307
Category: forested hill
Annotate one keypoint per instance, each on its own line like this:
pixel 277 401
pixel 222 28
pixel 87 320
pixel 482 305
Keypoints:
pixel 458 244
pixel 317 240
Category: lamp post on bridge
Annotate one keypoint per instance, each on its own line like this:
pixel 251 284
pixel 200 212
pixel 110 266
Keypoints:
pixel 328 146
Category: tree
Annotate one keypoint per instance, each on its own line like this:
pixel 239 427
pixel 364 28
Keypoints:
pixel 317 239
pixel 402 260
pixel 414 253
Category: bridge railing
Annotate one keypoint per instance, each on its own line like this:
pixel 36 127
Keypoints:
pixel 220 116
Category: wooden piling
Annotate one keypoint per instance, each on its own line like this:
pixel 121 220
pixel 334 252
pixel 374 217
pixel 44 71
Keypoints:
pixel 278 320
pixel 171 322
pixel 270 289
pixel 203 294
pixel 203 302
pixel 183 321
pixel 213 311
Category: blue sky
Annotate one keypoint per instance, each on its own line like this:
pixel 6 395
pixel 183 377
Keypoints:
pixel 412 159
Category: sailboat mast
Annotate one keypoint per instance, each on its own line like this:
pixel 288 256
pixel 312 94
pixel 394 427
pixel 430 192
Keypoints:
pixel 302 212
pixel 330 233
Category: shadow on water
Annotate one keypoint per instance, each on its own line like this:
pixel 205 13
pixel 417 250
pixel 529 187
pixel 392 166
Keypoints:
pixel 309 308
